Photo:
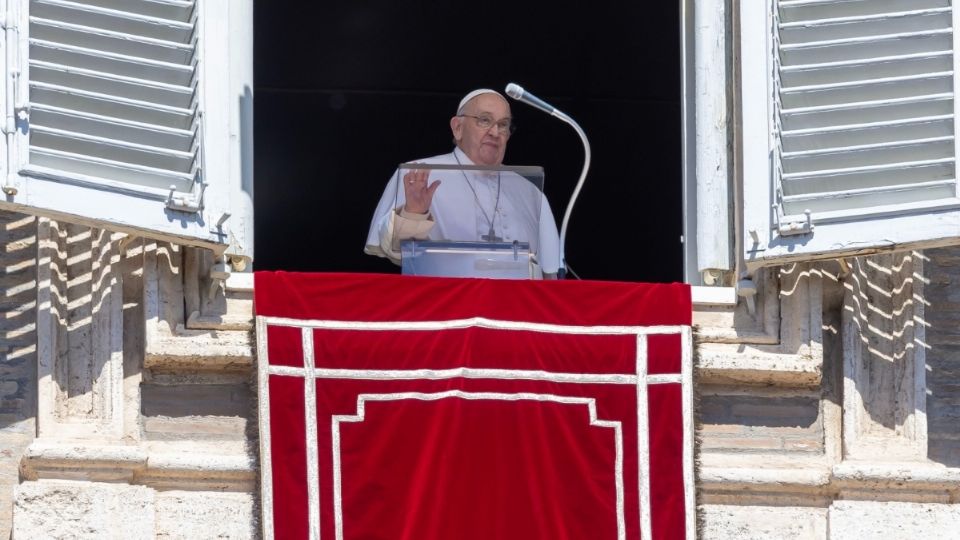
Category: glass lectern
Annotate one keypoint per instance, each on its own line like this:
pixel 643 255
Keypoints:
pixel 486 221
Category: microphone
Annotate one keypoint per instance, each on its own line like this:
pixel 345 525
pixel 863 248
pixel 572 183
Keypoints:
pixel 518 93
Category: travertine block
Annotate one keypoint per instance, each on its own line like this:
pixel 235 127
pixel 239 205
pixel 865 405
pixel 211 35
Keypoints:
pixel 762 523
pixel 199 515
pixel 865 520
pixel 62 509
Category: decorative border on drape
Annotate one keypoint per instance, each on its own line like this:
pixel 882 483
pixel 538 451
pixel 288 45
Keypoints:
pixel 310 373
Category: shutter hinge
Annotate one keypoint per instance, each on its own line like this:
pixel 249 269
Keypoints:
pixel 795 226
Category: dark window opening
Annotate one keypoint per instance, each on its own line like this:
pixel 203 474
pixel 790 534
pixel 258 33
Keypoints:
pixel 344 91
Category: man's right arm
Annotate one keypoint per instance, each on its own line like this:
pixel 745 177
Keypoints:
pixel 403 225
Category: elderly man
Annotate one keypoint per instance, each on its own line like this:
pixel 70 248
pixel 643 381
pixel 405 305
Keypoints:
pixel 466 205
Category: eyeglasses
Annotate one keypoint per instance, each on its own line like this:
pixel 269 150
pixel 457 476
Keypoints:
pixel 486 122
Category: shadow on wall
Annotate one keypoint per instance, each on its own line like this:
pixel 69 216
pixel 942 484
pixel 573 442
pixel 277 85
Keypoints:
pixel 900 343
pixel 942 318
pixel 18 352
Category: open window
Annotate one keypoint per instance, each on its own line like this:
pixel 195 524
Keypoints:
pixel 134 115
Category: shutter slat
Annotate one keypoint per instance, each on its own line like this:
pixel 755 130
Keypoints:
pixel 825 30
pixel 102 39
pixel 867 83
pixel 107 105
pixel 870 39
pixel 112 149
pixel 863 49
pixel 871 134
pixel 124 21
pixel 122 128
pixel 863 62
pixel 877 146
pixel 94 167
pixel 164 9
pixel 848 19
pixel 116 11
pixel 848 72
pixel 115 85
pixel 845 201
pixel 113 63
pixel 819 186
pixel 874 190
pixel 944 96
pixel 891 88
pixel 864 158
pixel 867 112
pixel 867 169
pixel 866 125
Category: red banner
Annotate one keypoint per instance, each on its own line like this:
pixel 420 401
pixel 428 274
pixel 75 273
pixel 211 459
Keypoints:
pixel 398 407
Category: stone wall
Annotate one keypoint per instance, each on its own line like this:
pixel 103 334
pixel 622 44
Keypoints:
pixel 128 409
pixel 850 431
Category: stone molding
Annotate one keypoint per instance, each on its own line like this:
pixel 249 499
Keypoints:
pixel 779 344
pixel 160 466
pixel 894 481
pixel 172 341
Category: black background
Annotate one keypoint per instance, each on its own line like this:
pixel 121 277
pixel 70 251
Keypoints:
pixel 346 90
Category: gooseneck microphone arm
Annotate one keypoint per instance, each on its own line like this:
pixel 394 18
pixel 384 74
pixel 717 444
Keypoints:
pixel 518 93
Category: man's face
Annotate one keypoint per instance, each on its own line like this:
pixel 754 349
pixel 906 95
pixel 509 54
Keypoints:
pixel 482 146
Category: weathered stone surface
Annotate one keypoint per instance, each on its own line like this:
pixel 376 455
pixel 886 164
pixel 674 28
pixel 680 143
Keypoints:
pixel 943 355
pixel 61 509
pixel 775 422
pixel 191 515
pixel 724 522
pixel 864 520
pixel 199 411
pixel 14 439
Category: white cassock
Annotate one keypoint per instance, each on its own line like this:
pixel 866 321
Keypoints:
pixel 466 206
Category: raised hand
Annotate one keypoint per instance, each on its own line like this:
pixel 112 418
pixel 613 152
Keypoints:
pixel 418 194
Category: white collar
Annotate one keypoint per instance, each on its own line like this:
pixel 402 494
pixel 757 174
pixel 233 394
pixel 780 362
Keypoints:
pixel 462 156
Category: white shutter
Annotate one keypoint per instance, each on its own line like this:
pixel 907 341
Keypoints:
pixel 112 114
pixel 113 92
pixel 855 150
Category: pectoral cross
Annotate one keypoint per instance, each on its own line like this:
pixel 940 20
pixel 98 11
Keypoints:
pixel 491 236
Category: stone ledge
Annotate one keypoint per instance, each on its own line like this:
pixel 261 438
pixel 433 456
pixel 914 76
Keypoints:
pixel 726 364
pixel 894 476
pixel 228 321
pixel 160 467
pixel 198 349
pixel 713 334
pixel 904 481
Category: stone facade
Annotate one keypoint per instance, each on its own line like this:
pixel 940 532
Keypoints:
pixel 126 390
pixel 827 411
pixel 827 403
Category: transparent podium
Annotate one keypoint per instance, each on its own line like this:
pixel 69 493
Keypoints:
pixel 486 221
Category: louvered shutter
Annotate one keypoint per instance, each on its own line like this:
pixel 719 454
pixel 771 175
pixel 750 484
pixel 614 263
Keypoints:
pixel 857 148
pixel 112 112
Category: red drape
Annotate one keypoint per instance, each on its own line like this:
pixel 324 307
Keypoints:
pixel 515 410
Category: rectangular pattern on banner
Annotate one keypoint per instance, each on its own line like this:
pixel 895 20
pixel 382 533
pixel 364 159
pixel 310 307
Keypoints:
pixel 430 429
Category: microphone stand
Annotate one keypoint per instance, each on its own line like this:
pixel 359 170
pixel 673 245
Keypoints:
pixel 576 190
pixel 517 92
